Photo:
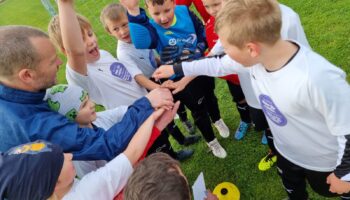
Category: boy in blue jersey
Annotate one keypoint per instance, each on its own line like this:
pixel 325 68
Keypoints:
pixel 175 42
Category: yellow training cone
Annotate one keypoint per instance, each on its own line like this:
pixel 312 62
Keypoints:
pixel 226 191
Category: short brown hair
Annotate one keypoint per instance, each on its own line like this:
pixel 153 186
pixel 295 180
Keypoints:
pixel 54 29
pixel 158 177
pixel 111 12
pixel 156 2
pixel 250 20
pixel 16 49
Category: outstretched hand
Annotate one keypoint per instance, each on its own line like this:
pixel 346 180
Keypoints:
pixel 164 117
pixel 132 6
pixel 164 71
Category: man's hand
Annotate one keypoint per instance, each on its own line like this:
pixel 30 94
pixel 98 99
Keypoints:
pixel 132 6
pixel 336 185
pixel 211 196
pixel 161 97
pixel 164 71
pixel 165 117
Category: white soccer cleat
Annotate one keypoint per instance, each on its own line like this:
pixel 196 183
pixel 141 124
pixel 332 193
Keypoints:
pixel 222 128
pixel 217 149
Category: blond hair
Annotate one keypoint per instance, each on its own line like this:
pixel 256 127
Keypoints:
pixel 250 21
pixel 54 29
pixel 111 12
pixel 16 49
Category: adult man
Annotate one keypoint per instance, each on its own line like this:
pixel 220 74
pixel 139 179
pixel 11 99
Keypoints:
pixel 28 66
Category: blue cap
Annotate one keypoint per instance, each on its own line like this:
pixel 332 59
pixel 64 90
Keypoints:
pixel 30 171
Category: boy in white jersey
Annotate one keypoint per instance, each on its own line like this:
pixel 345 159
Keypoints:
pixel 106 79
pixel 303 96
pixel 292 30
pixel 115 21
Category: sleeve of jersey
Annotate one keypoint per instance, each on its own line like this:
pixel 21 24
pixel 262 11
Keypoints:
pixel 105 145
pixel 105 182
pixel 200 32
pixel 330 93
pixel 142 33
pixel 215 66
pixel 342 170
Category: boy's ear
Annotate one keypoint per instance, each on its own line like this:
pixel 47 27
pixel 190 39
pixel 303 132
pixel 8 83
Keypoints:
pixel 253 49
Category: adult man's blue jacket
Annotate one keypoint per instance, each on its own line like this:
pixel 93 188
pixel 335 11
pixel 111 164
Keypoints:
pixel 26 117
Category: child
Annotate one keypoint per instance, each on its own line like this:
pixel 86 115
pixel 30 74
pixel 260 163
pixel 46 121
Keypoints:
pixel 115 21
pixel 47 173
pixel 159 177
pixel 177 34
pixel 213 7
pixel 291 29
pixel 105 78
pixel 74 103
pixel 303 96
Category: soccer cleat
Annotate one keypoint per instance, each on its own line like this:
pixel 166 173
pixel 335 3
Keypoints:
pixel 217 149
pixel 184 154
pixel 267 162
pixel 192 139
pixel 190 128
pixel 264 138
pixel 241 130
pixel 222 128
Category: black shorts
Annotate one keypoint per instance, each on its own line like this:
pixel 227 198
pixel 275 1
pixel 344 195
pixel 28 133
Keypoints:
pixel 259 119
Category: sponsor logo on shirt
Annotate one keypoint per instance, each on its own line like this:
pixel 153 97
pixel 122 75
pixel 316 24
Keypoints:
pixel 191 39
pixel 168 33
pixel 119 70
pixel 271 110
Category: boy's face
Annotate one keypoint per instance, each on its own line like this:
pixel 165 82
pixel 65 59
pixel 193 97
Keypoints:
pixel 87 113
pixel 91 46
pixel 243 56
pixel 212 6
pixel 67 172
pixel 162 14
pixel 45 74
pixel 120 28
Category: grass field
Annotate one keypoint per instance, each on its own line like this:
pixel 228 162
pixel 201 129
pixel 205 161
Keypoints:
pixel 326 23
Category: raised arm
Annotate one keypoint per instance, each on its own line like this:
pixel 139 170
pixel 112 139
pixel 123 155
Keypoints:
pixel 143 34
pixel 72 37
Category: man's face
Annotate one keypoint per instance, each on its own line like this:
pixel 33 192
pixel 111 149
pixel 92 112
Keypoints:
pixel 240 55
pixel 212 6
pixel 162 14
pixel 45 74
pixel 91 47
pixel 120 28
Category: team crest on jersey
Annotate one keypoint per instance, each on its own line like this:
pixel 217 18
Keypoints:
pixel 271 110
pixel 119 70
pixel 31 148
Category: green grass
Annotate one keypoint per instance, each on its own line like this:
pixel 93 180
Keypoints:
pixel 326 23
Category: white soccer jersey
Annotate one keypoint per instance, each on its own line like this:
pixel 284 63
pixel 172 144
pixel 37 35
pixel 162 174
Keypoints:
pixel 291 30
pixel 104 183
pixel 307 107
pixel 143 59
pixel 109 82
